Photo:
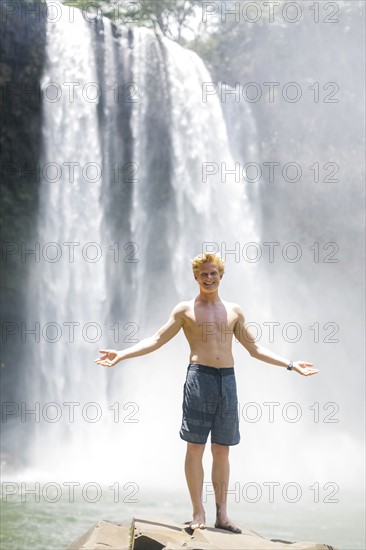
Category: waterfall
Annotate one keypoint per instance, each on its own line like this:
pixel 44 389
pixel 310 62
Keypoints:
pixel 68 286
pixel 175 208
pixel 158 131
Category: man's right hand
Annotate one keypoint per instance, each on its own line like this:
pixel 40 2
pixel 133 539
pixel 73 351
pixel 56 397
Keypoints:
pixel 110 358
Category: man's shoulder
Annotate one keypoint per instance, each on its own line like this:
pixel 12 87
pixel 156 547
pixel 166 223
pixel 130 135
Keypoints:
pixel 183 307
pixel 232 306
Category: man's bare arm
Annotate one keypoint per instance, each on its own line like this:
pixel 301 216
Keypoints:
pixel 147 345
pixel 247 339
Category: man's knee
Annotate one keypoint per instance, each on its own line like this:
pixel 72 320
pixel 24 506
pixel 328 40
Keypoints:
pixel 195 449
pixel 219 451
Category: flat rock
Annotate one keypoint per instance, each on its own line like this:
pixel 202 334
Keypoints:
pixel 103 534
pixel 156 533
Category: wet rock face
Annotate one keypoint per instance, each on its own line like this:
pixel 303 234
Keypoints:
pixel 23 41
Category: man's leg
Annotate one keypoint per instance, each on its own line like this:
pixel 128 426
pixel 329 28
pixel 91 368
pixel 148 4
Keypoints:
pixel 194 477
pixel 220 482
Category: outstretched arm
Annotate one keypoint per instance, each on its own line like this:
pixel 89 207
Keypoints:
pixel 247 339
pixel 147 345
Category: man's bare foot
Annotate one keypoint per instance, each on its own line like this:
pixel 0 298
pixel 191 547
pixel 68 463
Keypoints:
pixel 227 525
pixel 198 522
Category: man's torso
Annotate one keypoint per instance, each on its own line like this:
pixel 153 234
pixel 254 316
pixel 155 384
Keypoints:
pixel 209 328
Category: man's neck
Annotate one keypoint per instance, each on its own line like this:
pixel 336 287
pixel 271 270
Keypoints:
pixel 208 298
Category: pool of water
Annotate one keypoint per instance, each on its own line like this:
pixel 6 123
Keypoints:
pixel 49 518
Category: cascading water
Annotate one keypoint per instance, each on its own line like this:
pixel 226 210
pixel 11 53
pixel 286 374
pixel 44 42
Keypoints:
pixel 67 291
pixel 161 217
pixel 183 207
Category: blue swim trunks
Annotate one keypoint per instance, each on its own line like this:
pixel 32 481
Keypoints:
pixel 210 404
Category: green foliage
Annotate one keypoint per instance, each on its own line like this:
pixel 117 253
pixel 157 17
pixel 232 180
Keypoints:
pixel 169 17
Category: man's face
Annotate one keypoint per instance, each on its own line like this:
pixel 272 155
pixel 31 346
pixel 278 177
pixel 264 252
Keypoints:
pixel 208 277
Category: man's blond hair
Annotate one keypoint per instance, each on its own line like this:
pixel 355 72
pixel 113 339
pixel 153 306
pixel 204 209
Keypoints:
pixel 208 258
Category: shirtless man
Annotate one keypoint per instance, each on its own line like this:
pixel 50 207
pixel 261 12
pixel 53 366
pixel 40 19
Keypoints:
pixel 210 399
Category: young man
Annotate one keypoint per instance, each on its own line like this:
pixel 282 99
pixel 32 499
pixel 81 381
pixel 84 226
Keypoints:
pixel 210 399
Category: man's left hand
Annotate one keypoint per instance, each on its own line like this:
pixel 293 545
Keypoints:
pixel 304 368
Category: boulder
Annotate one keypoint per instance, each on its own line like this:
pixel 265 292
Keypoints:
pixel 160 535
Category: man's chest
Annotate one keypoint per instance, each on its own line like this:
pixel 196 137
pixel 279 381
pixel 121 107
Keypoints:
pixel 220 318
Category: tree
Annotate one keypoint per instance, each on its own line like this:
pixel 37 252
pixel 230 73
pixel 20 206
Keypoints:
pixel 171 17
